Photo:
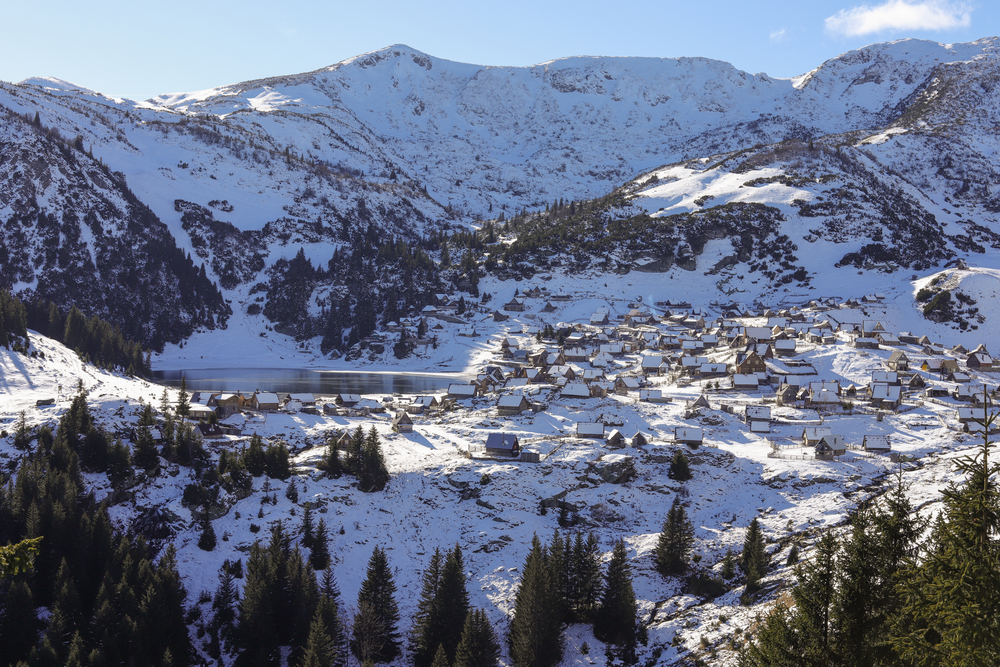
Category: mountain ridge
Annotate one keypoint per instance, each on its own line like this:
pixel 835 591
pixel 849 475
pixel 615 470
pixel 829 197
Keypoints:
pixel 397 144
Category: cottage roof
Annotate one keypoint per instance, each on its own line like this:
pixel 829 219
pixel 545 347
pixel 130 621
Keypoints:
pixel 688 433
pixel 512 401
pixel 507 441
pixel 590 429
pixel 576 390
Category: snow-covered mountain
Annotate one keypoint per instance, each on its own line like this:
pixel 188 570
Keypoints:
pixel 397 143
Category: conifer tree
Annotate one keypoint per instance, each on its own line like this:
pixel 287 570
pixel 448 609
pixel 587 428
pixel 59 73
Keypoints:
pixel 329 605
pixel 374 636
pixel 676 541
pixel 224 604
pixel 536 632
pixel 453 601
pixel 856 613
pixel 372 474
pixel 319 551
pixel 557 561
pixel 307 528
pixel 615 622
pixel 680 468
pixel 20 626
pixel 950 607
pixel 425 634
pixel 292 491
pixel 318 652
pixel 207 541
pixel 146 456
pixel 728 564
pixel 586 578
pixel 479 646
pixel 352 457
pixel 183 400
pixel 754 559
pixel 440 658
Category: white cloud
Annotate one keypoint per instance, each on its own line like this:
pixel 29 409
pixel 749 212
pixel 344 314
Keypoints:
pixel 900 15
pixel 779 35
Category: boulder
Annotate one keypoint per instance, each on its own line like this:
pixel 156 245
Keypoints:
pixel 615 468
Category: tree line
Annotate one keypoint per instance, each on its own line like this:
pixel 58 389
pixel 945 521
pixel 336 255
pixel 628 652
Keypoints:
pixel 95 340
pixel 896 590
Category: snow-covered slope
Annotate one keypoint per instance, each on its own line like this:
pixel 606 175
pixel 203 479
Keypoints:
pixel 399 143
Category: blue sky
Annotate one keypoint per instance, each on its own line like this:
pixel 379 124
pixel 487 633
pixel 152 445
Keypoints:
pixel 139 50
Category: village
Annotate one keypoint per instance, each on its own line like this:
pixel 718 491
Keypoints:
pixel 671 361
pixel 569 418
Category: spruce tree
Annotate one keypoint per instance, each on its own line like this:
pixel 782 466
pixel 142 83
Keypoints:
pixel 440 658
pixel 224 604
pixel 856 613
pixel 754 559
pixel 146 456
pixel 183 402
pixel 207 540
pixel 950 608
pixel 479 646
pixel 374 636
pixel 20 626
pixel 425 634
pixel 330 606
pixel 557 560
pixel 319 551
pixel 616 621
pixel 680 468
pixel 586 578
pixel 676 541
pixel 372 474
pixel 453 601
pixel 536 632
pixel 318 652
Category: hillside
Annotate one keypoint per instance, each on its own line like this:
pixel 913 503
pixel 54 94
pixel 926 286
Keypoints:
pixel 438 496
pixel 880 160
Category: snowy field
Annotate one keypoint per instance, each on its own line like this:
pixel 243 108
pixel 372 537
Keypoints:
pixel 734 480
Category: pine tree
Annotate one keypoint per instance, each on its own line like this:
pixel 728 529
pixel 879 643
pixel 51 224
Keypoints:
pixel 855 611
pixel 20 626
pixel 374 636
pixel 452 601
pixel 680 469
pixel 146 456
pixel 319 550
pixel 224 604
pixel 754 559
pixel 676 541
pixel 536 633
pixel 207 541
pixel 183 402
pixel 329 605
pixel 616 621
pixel 373 474
pixel 479 646
pixel 318 651
pixel 425 633
pixel 440 658
pixel 586 578
pixel 950 608
pixel 307 528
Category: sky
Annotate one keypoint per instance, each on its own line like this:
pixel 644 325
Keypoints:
pixel 139 50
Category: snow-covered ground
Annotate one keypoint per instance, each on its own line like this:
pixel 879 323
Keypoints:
pixel 734 479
